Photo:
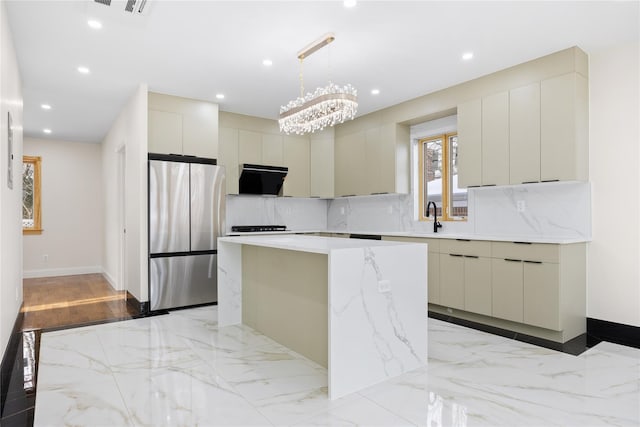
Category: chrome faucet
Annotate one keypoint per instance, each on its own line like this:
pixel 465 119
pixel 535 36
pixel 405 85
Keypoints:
pixel 436 223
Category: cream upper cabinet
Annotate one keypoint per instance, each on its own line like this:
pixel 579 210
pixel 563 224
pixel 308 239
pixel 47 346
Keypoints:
pixel 495 139
pixel 373 161
pixel 387 157
pixel 564 139
pixel 350 164
pixel 272 150
pixel 229 158
pixel 321 157
pixel 249 147
pixel 524 134
pixel 182 126
pixel 165 132
pixel 470 143
pixel 296 158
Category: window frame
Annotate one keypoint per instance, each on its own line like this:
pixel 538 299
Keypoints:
pixel 37 193
pixel 446 177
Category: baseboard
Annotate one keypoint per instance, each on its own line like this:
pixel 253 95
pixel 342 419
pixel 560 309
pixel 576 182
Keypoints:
pixel 54 272
pixel 8 359
pixel 142 307
pixel 110 279
pixel 618 333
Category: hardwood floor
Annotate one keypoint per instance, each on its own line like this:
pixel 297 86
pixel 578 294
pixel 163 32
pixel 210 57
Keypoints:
pixel 56 302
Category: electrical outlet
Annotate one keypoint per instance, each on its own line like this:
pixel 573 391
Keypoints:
pixel 521 206
pixel 45 257
pixel 390 209
pixel 342 210
pixel 384 286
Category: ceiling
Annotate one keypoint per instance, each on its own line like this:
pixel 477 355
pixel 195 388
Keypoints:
pixel 198 49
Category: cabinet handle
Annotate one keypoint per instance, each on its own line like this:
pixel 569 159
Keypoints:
pixel 522 243
pixel 348 195
pixel 550 180
pixel 458 255
pixel 382 192
pixel 533 262
pixel 463 240
pixel 530 182
pixel 471 256
pixel 512 260
pixel 488 185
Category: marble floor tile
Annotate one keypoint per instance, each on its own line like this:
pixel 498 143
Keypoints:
pixel 182 369
pixel 81 404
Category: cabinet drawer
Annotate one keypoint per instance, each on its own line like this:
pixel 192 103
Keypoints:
pixel 544 252
pixel 433 244
pixel 465 247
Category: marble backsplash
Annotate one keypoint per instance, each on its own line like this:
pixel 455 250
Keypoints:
pixel 544 210
pixel 296 213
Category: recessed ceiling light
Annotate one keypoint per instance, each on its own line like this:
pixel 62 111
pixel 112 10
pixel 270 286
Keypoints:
pixel 467 56
pixel 350 3
pixel 83 70
pixel 267 63
pixel 46 106
pixel 96 25
pixel 375 91
pixel 220 96
pixel 46 130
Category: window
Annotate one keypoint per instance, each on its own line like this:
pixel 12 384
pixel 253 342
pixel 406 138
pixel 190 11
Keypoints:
pixel 439 178
pixel 31 195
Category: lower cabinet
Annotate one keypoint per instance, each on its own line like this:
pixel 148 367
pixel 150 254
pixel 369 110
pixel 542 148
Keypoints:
pixel 507 289
pixel 477 285
pixel 433 275
pixel 541 294
pixel 452 280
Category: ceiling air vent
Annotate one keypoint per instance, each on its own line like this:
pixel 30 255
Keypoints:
pixel 135 6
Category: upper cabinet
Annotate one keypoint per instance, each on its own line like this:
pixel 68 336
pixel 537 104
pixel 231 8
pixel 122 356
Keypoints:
pixel 470 143
pixel 245 139
pixel 495 139
pixel 321 167
pixel 182 126
pixel 296 158
pixel 524 134
pixel 372 161
pixel 533 133
pixel 564 127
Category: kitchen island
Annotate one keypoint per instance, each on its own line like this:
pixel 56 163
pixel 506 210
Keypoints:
pixel 357 307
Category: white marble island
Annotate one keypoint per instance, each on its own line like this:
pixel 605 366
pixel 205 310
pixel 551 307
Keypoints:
pixel 357 307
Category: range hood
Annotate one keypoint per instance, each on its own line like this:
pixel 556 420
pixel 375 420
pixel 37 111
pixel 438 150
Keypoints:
pixel 261 179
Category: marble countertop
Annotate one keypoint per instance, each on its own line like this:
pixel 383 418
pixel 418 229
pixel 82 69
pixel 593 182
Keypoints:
pixel 495 238
pixel 313 244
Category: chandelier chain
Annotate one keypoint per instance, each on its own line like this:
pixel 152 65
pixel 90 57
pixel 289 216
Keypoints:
pixel 301 78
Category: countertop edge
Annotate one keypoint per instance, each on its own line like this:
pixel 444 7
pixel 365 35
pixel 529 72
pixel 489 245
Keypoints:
pixel 526 239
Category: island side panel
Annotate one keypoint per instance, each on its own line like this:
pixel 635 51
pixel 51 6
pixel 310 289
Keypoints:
pixel 284 296
pixel 377 317
pixel 229 283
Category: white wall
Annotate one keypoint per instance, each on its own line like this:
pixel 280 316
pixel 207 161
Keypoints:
pixel 128 133
pixel 613 291
pixel 10 199
pixel 71 204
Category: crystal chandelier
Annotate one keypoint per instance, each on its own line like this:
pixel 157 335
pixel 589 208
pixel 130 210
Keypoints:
pixel 326 106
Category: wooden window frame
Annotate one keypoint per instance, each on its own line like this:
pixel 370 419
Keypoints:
pixel 446 177
pixel 37 193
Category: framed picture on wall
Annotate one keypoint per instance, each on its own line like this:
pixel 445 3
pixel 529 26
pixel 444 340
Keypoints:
pixel 9 152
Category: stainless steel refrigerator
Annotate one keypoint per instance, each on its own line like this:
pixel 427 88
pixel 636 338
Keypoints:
pixel 186 216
